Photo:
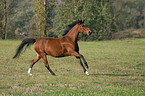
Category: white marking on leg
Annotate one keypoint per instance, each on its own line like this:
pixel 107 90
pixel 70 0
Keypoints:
pixel 29 71
pixel 87 73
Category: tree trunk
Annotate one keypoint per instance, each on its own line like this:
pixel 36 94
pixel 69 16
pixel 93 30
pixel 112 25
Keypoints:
pixel 5 21
pixel 46 18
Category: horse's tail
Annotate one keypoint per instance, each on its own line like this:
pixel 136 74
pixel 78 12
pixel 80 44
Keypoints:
pixel 28 42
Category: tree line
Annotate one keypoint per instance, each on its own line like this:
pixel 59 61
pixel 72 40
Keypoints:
pixel 49 18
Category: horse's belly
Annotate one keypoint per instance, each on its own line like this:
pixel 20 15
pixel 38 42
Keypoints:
pixel 55 51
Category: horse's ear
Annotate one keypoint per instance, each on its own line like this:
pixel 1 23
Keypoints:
pixel 83 21
pixel 80 21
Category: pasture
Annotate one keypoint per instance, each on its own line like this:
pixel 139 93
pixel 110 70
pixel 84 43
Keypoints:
pixel 117 68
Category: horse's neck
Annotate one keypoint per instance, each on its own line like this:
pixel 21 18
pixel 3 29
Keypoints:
pixel 73 33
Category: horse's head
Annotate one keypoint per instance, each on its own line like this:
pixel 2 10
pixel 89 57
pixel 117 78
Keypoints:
pixel 83 29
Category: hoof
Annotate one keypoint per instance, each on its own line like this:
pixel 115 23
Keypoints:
pixel 87 73
pixel 53 74
pixel 30 74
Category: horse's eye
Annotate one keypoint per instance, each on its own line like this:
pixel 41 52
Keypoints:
pixel 83 25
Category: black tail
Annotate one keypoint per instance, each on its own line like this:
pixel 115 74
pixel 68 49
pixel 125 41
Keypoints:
pixel 27 41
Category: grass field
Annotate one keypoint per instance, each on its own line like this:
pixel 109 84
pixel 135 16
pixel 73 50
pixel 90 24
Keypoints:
pixel 117 68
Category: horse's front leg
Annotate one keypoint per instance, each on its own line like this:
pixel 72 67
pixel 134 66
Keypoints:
pixel 80 62
pixel 78 56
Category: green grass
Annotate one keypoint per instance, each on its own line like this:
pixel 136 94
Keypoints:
pixel 117 68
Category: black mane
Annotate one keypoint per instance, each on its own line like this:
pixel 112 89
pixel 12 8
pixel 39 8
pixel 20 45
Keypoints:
pixel 70 26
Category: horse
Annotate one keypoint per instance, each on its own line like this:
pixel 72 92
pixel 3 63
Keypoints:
pixel 67 45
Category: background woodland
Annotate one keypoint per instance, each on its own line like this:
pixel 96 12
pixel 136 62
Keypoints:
pixel 107 19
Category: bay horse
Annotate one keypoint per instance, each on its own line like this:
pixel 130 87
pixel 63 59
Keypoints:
pixel 66 45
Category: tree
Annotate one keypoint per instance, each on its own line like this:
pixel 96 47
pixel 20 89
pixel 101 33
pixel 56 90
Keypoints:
pixel 20 21
pixel 6 7
pixel 68 11
pixel 104 21
pixel 43 10
pixel 129 13
pixel 96 14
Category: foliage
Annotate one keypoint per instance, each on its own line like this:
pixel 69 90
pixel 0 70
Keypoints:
pixel 129 13
pixel 69 11
pixel 7 8
pixel 43 10
pixel 21 20
pixel 33 18
pixel 96 15
pixel 103 22
pixel 19 13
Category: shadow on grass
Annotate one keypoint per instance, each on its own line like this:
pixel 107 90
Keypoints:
pixel 116 75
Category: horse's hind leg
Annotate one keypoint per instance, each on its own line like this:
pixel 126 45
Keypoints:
pixel 46 63
pixel 85 62
pixel 37 58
